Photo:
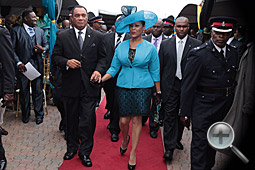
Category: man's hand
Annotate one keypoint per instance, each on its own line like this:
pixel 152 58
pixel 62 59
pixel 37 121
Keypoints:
pixel 22 68
pixel 38 48
pixel 96 77
pixel 73 63
pixel 185 121
pixel 7 98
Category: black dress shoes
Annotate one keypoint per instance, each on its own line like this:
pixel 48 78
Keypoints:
pixel 168 155
pixel 122 151
pixel 131 167
pixel 61 126
pixel 69 155
pixel 107 115
pixel 86 161
pixel 153 134
pixel 179 146
pixel 114 137
pixel 25 120
pixel 3 164
pixel 3 131
pixel 39 121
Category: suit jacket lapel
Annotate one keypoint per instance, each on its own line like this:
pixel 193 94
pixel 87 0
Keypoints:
pixel 88 37
pixel 73 38
pixel 37 36
pixel 187 47
pixel 174 48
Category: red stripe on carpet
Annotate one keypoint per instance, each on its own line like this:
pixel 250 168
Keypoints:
pixel 106 154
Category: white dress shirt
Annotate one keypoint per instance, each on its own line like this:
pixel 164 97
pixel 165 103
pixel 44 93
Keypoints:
pixel 183 42
pixel 116 37
pixel 82 35
pixel 26 27
pixel 179 56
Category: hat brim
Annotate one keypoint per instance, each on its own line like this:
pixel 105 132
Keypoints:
pixel 100 22
pixel 221 30
pixel 148 17
pixel 167 25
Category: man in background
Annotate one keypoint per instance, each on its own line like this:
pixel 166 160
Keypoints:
pixel 29 43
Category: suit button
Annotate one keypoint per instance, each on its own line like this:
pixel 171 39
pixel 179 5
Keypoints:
pixel 213 71
pixel 130 66
pixel 203 97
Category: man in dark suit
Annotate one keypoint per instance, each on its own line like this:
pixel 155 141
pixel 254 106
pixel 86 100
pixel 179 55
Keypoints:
pixel 7 77
pixel 207 90
pixel 80 53
pixel 156 37
pixel 112 41
pixel 29 43
pixel 173 55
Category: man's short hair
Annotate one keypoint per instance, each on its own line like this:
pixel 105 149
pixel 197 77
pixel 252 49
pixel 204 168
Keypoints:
pixel 78 6
pixel 26 12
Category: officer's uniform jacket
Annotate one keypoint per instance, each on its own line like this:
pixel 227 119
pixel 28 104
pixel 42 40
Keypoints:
pixel 207 68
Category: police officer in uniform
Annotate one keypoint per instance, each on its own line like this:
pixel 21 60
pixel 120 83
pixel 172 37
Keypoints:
pixel 208 89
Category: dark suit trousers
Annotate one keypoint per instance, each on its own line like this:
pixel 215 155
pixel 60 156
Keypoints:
pixel 57 96
pixel 202 155
pixel 58 100
pixel 153 127
pixel 37 96
pixel 81 122
pixel 173 128
pixel 2 152
pixel 112 105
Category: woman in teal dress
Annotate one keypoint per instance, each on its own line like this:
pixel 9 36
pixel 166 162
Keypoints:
pixel 140 72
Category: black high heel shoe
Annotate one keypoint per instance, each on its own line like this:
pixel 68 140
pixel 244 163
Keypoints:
pixel 131 167
pixel 122 151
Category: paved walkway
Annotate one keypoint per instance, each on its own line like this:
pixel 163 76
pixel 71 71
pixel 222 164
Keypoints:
pixel 41 147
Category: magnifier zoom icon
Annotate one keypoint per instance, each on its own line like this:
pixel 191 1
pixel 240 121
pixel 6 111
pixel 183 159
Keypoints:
pixel 220 136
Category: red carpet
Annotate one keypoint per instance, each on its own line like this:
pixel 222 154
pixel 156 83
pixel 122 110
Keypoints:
pixel 106 154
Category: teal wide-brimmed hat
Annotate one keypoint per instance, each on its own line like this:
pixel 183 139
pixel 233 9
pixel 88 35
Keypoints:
pixel 122 25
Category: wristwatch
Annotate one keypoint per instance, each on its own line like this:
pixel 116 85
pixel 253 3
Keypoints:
pixel 158 92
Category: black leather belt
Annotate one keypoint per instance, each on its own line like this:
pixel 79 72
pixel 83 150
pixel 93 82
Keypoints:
pixel 226 90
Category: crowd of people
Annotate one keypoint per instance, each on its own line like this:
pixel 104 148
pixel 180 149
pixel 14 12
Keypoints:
pixel 140 62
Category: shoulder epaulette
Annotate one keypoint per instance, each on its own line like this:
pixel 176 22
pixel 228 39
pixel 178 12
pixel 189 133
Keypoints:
pixel 201 46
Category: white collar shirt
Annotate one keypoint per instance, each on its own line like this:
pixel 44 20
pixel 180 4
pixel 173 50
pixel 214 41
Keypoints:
pixel 83 32
pixel 26 27
pixel 183 41
pixel 117 36
pixel 219 49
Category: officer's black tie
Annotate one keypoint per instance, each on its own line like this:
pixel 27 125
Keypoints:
pixel 222 53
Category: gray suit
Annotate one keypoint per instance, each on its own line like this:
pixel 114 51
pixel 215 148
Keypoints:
pixel 24 52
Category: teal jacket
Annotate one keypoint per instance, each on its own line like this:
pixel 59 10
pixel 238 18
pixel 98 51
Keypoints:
pixel 142 73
